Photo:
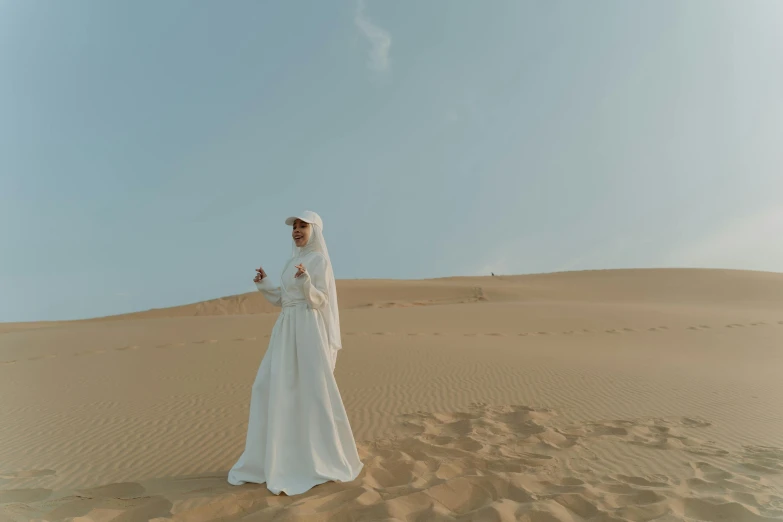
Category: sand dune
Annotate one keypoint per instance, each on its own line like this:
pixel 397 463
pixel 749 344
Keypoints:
pixel 611 395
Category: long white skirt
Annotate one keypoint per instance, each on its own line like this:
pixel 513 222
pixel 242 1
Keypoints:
pixel 298 434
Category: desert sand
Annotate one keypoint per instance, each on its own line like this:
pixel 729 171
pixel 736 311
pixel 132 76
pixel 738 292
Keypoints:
pixel 645 394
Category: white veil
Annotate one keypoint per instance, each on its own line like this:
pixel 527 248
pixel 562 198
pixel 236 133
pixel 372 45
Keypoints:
pixel 331 315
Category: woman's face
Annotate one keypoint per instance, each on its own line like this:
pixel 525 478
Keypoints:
pixel 301 232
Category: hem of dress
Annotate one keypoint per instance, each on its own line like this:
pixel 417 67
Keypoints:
pixel 290 491
pixel 287 490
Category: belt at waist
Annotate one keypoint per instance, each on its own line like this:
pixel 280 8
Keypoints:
pixel 291 304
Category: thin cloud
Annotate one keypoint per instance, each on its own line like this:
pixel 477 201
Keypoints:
pixel 380 40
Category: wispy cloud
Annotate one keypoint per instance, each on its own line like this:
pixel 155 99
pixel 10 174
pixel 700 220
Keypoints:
pixel 380 40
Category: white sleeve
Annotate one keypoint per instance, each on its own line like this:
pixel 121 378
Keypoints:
pixel 271 292
pixel 315 282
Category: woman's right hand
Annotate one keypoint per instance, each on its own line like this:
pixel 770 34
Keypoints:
pixel 260 274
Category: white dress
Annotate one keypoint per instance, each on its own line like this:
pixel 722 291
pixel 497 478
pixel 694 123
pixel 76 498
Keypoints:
pixel 298 434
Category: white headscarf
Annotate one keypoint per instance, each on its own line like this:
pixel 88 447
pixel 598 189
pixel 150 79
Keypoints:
pixel 331 314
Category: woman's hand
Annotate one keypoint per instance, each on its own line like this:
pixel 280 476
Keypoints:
pixel 301 270
pixel 260 274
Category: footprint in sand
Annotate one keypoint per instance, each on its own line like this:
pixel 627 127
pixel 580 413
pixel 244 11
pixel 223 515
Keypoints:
pixel 659 433
pixel 763 459
pixel 710 473
pixel 132 347
pixel 117 490
pixel 700 509
pixel 566 485
pixel 27 473
pixel 37 357
pixel 735 325
pixel 170 345
pixel 690 422
pixel 145 507
pixel 24 495
pixel 88 352
pixel 650 481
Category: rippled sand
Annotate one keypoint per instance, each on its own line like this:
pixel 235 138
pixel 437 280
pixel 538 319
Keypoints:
pixel 580 396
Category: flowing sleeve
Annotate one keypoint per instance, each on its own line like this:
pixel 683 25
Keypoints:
pixel 271 292
pixel 314 284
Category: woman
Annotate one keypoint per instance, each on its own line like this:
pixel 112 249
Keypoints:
pixel 298 434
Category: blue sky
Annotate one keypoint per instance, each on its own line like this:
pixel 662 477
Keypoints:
pixel 150 151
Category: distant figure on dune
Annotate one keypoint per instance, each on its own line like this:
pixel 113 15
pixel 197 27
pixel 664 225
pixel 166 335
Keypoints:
pixel 493 274
pixel 298 435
